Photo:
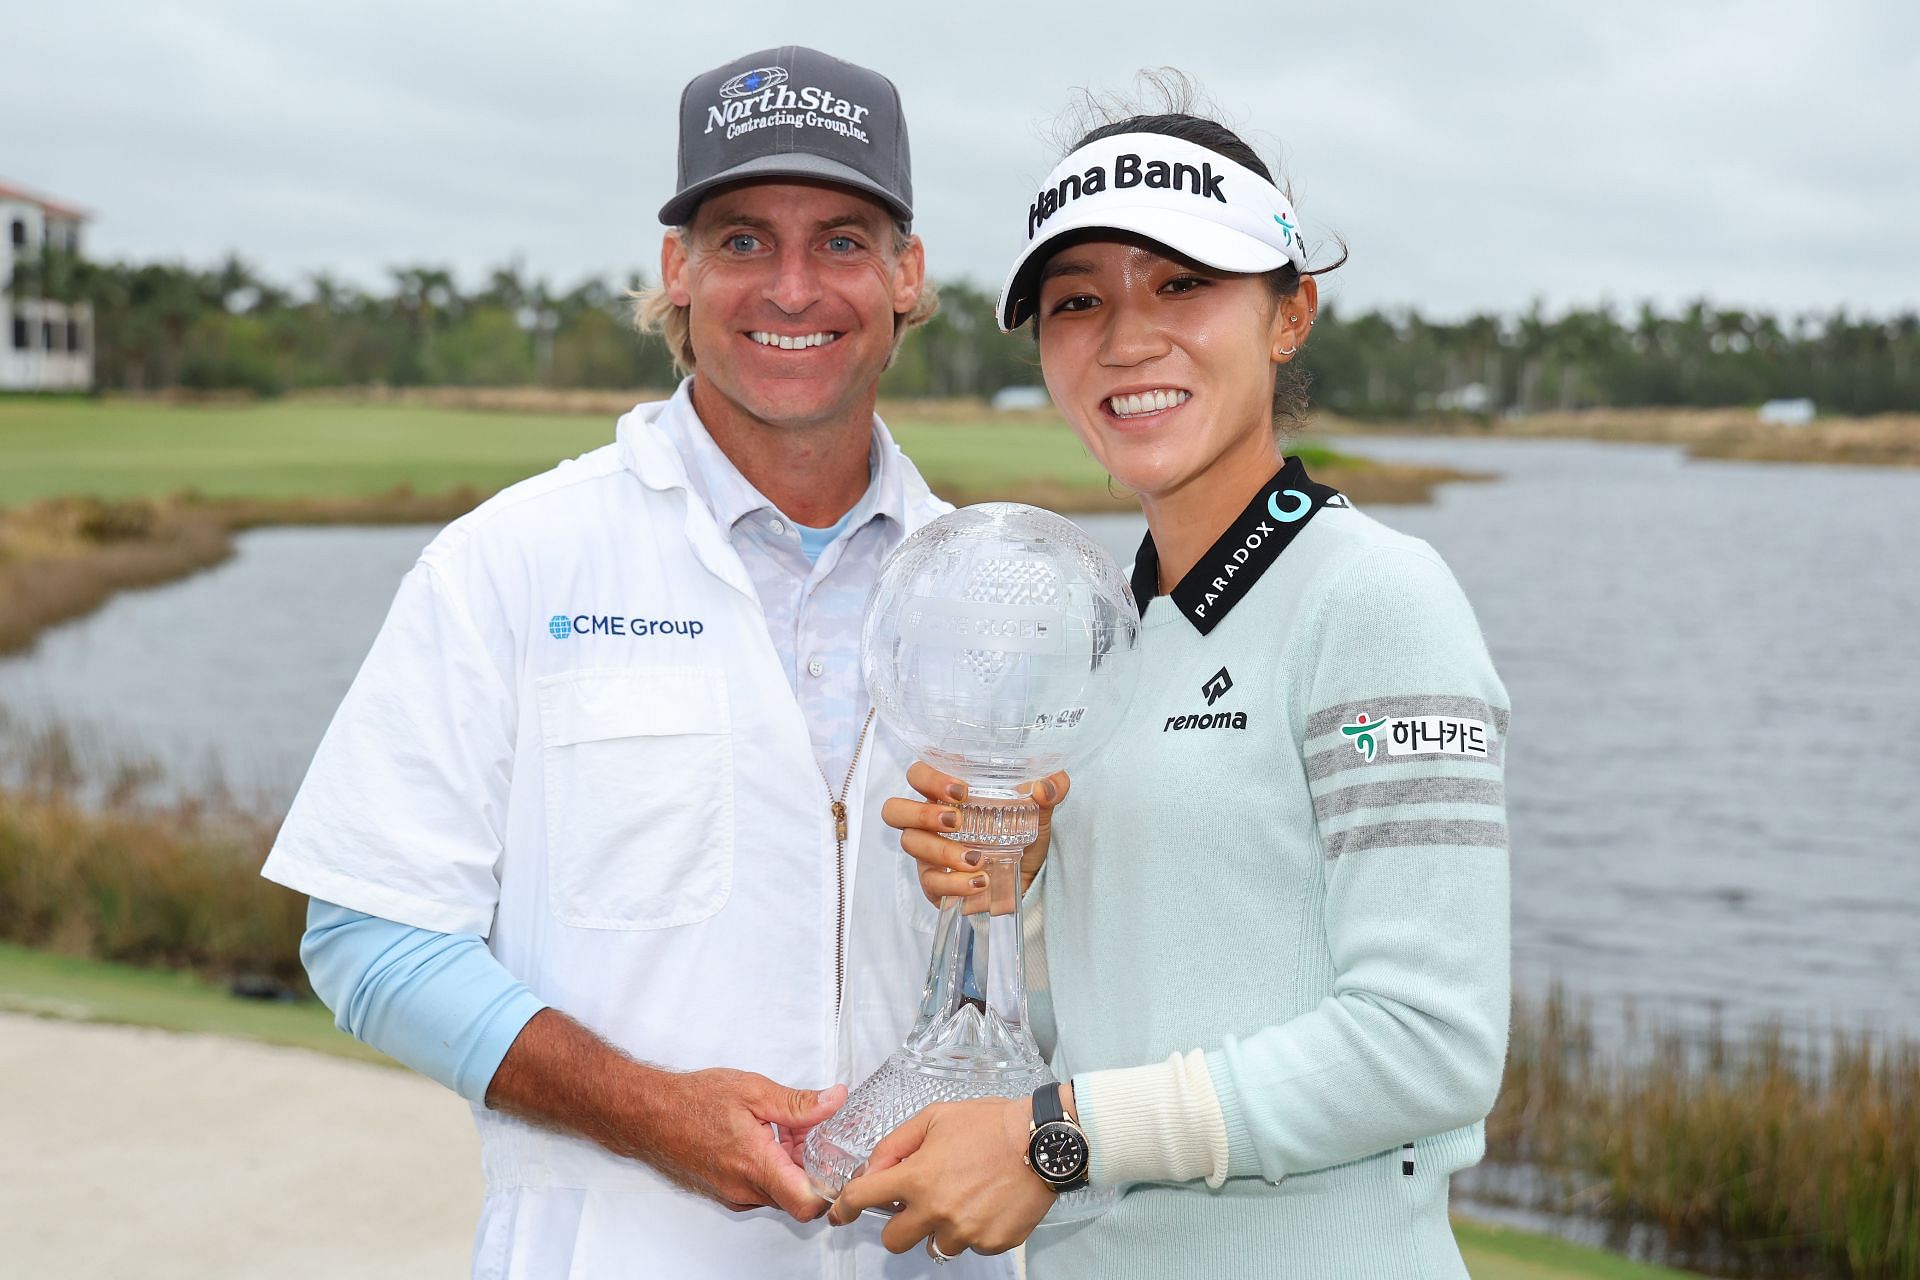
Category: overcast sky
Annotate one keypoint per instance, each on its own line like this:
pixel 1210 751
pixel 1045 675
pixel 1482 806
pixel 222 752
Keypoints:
pixel 1473 155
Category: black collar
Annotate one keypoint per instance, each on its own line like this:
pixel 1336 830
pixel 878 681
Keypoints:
pixel 1251 543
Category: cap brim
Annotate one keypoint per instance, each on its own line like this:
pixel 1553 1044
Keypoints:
pixel 678 211
pixel 1200 239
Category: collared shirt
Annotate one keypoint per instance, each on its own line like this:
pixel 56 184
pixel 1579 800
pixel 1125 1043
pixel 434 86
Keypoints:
pixel 814 610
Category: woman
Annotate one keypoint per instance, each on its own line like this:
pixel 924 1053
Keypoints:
pixel 1275 912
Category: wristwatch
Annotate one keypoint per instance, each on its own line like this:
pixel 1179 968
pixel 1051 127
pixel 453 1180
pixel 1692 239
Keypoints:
pixel 1057 1148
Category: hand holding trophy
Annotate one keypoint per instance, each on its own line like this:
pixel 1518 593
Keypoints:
pixel 1000 645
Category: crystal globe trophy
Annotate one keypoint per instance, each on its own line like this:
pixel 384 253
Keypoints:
pixel 999 645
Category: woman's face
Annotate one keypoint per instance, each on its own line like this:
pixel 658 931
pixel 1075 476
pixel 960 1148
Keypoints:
pixel 1164 369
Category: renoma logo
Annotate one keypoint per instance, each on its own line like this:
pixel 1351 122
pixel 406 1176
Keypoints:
pixel 763 98
pixel 1214 689
pixel 562 625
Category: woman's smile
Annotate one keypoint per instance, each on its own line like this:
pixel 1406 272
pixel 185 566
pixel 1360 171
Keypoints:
pixel 1134 407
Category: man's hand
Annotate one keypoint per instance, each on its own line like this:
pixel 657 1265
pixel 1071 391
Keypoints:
pixel 719 1139
pixel 731 1136
pixel 943 872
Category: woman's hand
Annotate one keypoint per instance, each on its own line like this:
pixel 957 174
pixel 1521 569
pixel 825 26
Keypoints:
pixel 944 871
pixel 959 1170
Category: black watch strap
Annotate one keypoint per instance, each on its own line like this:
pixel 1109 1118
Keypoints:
pixel 1046 1104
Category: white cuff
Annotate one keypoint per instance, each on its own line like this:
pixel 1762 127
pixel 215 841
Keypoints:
pixel 1159 1123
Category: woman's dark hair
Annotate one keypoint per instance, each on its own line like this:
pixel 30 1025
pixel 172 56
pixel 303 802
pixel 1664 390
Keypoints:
pixel 1181 118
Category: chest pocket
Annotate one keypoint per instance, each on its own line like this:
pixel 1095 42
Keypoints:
pixel 639 805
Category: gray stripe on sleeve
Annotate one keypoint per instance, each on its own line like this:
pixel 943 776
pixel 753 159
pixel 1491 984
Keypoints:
pixel 1397 835
pixel 1408 704
pixel 1408 791
pixel 1324 764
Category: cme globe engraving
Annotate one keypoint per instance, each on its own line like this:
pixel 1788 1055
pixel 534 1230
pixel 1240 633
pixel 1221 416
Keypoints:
pixel 559 626
pixel 999 644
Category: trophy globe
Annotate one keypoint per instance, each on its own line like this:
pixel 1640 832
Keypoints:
pixel 1000 645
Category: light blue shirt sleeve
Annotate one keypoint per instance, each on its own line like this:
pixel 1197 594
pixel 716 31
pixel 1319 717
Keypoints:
pixel 437 1002
pixel 813 541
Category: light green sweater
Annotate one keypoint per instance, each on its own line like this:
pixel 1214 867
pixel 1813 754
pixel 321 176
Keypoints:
pixel 1319 906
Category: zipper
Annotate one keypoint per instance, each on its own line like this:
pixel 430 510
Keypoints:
pixel 837 806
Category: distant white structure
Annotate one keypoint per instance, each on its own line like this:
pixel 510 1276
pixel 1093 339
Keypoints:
pixel 1787 413
pixel 1475 397
pixel 1020 398
pixel 44 345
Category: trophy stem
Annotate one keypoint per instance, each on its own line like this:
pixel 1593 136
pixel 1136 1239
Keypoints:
pixel 973 1008
pixel 970 1039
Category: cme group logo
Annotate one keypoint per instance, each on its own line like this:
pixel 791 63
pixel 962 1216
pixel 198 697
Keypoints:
pixel 758 80
pixel 559 626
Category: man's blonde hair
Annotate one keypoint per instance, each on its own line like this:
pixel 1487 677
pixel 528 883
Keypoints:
pixel 655 312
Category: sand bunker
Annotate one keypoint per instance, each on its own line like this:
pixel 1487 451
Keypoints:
pixel 135 1152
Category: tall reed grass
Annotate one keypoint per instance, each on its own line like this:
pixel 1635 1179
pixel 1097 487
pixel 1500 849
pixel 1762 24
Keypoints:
pixel 98 869
pixel 1756 1156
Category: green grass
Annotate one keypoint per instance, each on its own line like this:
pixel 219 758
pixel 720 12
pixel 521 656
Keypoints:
pixel 97 991
pixel 1495 1253
pixel 295 449
pixel 117 449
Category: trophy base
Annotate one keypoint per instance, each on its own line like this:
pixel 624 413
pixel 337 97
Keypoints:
pixel 837 1151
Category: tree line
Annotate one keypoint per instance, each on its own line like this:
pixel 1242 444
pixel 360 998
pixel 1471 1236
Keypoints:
pixel 158 326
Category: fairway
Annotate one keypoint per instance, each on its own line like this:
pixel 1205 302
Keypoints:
pixel 294 449
pixel 83 990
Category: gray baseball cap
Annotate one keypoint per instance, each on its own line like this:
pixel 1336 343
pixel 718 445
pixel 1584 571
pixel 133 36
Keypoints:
pixel 791 112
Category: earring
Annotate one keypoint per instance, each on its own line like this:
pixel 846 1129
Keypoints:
pixel 1293 319
pixel 1287 351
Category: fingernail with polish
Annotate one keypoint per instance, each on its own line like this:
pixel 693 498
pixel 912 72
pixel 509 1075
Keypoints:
pixel 950 820
pixel 978 882
pixel 957 790
pixel 973 857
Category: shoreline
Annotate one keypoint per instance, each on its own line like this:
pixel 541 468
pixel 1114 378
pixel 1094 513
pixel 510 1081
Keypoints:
pixel 1888 439
pixel 63 558
pixel 1884 440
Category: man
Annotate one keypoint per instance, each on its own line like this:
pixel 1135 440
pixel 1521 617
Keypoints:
pixel 614 726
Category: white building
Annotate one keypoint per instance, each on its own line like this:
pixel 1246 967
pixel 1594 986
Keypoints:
pixel 44 345
pixel 1787 413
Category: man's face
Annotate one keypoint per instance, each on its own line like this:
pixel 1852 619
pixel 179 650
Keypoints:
pixel 792 289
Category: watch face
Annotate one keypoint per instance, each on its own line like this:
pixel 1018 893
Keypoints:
pixel 1058 1152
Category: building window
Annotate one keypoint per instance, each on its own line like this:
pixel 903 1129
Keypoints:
pixel 73 238
pixel 21 334
pixel 20 232
pixel 73 335
pixel 46 335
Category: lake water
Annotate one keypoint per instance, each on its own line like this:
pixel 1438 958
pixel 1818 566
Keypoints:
pixel 1714 777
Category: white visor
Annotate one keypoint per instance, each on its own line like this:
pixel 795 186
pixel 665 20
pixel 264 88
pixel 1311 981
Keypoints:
pixel 1196 202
